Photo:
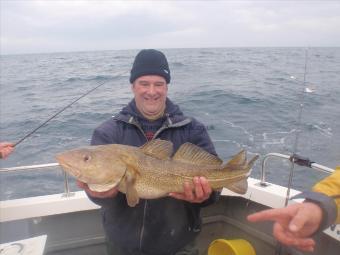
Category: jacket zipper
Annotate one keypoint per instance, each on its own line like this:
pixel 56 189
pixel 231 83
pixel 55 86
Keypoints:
pixel 166 126
pixel 142 230
pixel 136 124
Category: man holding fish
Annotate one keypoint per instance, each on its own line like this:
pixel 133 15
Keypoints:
pixel 151 200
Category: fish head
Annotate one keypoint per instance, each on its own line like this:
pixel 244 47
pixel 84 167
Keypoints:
pixel 100 164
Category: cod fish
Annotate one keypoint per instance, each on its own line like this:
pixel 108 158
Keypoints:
pixel 150 172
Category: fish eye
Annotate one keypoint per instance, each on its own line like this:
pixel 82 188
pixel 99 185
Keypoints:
pixel 86 158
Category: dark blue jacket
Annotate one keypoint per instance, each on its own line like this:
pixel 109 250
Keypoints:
pixel 157 226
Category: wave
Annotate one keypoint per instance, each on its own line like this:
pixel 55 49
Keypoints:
pixel 91 78
pixel 177 64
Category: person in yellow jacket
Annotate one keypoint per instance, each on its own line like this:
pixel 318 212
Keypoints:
pixel 295 224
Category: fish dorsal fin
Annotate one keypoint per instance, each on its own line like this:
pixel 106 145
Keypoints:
pixel 238 161
pixel 158 148
pixel 190 153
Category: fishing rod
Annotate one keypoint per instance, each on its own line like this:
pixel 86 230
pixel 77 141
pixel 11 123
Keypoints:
pixel 278 250
pixel 298 130
pixel 60 111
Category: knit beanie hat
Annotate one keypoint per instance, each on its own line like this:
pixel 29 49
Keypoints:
pixel 150 62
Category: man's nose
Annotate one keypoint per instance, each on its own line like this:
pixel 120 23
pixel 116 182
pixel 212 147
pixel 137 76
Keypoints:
pixel 152 89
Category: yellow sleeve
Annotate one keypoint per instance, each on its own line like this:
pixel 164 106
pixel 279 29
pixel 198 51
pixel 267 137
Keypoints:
pixel 330 186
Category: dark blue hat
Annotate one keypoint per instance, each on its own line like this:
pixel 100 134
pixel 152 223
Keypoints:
pixel 150 62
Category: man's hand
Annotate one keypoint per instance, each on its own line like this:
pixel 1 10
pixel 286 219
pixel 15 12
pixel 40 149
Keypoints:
pixel 106 194
pixel 6 148
pixel 294 224
pixel 197 194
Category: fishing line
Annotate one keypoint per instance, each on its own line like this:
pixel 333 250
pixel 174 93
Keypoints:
pixel 298 131
pixel 278 250
pixel 56 114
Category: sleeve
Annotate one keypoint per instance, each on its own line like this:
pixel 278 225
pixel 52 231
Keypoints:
pixel 326 204
pixel 326 194
pixel 330 186
pixel 200 137
pixel 105 133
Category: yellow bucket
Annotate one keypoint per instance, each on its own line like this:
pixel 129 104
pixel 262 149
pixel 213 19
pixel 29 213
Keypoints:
pixel 231 247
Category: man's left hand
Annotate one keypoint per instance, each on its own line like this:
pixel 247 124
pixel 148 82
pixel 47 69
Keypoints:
pixel 196 193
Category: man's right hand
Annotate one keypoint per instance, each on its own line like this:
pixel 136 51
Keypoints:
pixel 106 194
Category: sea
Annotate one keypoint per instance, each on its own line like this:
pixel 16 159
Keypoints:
pixel 263 100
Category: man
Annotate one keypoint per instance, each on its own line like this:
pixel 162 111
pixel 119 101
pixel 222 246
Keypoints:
pixel 159 226
pixel 295 224
pixel 6 149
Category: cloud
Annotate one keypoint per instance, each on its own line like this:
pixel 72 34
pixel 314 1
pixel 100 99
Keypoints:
pixel 48 26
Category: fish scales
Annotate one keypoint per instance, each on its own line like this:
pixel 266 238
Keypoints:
pixel 150 172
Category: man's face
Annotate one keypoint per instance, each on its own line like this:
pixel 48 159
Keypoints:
pixel 150 94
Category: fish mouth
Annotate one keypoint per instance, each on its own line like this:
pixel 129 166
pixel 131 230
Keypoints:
pixel 69 168
pixel 73 170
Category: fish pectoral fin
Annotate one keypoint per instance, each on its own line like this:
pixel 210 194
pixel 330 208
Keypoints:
pixel 132 196
pixel 239 187
pixel 160 149
pixel 131 192
pixel 191 153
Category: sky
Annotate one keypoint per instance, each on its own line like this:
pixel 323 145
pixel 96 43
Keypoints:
pixel 30 26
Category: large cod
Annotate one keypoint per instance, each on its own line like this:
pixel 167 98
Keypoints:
pixel 150 172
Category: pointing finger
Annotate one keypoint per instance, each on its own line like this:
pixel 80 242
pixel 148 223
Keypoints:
pixel 270 214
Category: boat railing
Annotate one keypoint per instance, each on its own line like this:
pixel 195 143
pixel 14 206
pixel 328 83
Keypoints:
pixel 295 159
pixel 67 192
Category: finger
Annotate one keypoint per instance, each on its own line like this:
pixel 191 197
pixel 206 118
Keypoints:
pixel 270 214
pixel 188 191
pixel 299 220
pixel 304 242
pixel 198 188
pixel 306 248
pixel 7 144
pixel 6 151
pixel 282 235
pixel 205 186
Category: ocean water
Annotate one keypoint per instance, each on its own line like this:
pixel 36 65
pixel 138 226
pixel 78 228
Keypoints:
pixel 244 96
